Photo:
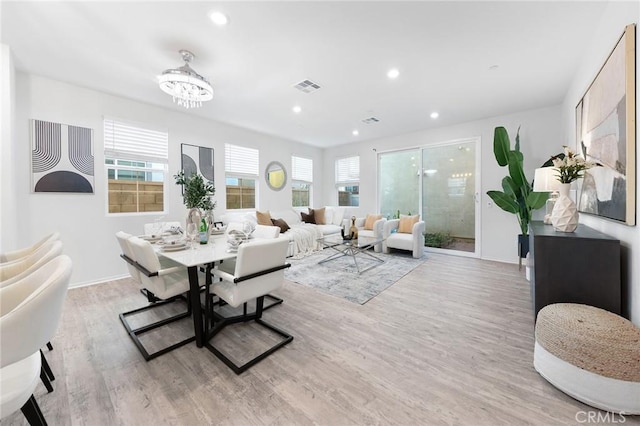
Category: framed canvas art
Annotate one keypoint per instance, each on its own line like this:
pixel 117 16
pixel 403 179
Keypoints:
pixel 197 159
pixel 61 158
pixel 605 132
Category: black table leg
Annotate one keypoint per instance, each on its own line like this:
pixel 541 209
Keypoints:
pixel 194 295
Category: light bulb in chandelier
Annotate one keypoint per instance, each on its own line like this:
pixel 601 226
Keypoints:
pixel 187 88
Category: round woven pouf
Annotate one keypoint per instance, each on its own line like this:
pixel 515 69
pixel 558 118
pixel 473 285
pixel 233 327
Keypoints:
pixel 591 355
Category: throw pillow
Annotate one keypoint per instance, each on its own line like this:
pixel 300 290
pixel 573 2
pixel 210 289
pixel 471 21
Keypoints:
pixel 407 222
pixel 371 220
pixel 284 227
pixel 308 218
pixel 264 218
pixel 318 215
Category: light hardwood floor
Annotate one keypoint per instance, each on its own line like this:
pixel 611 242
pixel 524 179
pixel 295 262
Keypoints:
pixel 450 343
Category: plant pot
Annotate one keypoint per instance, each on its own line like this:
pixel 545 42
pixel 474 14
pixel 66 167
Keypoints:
pixel 564 216
pixel 523 245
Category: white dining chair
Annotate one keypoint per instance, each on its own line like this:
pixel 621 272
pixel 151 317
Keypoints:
pixel 166 285
pixel 14 271
pixel 151 228
pixel 30 312
pixel 259 269
pixel 261 232
pixel 18 254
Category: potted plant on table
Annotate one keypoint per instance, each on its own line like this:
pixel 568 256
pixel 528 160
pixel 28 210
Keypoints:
pixel 517 195
pixel 570 167
pixel 197 197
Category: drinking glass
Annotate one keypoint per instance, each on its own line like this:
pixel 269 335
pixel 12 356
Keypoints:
pixel 192 234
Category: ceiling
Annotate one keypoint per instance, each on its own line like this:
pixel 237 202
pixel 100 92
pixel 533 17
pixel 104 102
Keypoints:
pixel 446 53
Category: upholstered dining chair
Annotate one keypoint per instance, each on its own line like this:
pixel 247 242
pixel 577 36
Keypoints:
pixel 166 285
pixel 406 233
pixel 18 269
pixel 12 272
pixel 259 269
pixel 30 311
pixel 150 228
pixel 261 232
pixel 18 254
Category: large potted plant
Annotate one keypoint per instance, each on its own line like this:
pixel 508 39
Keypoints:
pixel 517 195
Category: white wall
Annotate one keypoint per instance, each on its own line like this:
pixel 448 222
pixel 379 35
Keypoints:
pixel 617 15
pixel 540 137
pixel 87 231
pixel 8 232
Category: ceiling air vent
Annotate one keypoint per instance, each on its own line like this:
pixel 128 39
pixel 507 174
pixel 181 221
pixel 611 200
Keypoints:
pixel 307 86
pixel 370 120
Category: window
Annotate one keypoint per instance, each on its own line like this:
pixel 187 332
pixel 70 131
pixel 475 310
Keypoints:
pixel 301 181
pixel 136 160
pixel 241 168
pixel 348 181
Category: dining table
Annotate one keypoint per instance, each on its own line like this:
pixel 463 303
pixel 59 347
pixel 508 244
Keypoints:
pixel 199 255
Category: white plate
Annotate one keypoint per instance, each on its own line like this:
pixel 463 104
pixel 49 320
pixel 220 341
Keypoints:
pixel 176 242
pixel 151 237
pixel 174 247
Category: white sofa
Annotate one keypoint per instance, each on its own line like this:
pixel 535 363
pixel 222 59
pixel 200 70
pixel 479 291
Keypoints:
pixel 302 236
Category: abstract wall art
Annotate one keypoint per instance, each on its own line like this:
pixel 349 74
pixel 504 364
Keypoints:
pixel 61 158
pixel 605 133
pixel 197 159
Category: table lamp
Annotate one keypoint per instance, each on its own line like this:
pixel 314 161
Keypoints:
pixel 545 180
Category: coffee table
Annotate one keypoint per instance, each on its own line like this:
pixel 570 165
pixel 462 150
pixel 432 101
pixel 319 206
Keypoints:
pixel 353 248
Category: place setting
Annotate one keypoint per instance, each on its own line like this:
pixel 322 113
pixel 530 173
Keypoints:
pixel 172 243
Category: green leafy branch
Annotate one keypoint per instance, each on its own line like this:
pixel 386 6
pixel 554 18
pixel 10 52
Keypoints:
pixel 197 191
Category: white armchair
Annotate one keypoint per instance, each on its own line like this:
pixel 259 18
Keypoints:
pixel 413 241
pixel 376 232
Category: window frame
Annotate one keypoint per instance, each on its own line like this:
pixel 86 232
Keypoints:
pixel 347 181
pixel 301 181
pixel 149 161
pixel 240 175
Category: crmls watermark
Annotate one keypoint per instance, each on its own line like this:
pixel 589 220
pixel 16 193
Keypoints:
pixel 600 417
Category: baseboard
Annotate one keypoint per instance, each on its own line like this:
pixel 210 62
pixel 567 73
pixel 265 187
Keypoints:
pixel 99 281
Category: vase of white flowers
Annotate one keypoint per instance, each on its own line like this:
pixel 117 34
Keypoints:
pixel 570 167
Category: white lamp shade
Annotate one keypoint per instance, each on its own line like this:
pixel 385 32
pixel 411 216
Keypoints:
pixel 546 180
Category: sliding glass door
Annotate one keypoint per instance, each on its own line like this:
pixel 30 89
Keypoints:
pixel 399 182
pixel 449 196
pixel 439 183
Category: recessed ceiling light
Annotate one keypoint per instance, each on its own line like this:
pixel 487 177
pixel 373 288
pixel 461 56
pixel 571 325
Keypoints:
pixel 355 133
pixel 393 73
pixel 494 67
pixel 219 18
pixel 297 109
pixel 434 115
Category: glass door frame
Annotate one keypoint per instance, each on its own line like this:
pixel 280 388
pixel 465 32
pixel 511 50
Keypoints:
pixel 477 212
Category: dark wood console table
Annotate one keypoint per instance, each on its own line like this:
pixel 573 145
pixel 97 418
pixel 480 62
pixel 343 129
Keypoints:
pixel 574 267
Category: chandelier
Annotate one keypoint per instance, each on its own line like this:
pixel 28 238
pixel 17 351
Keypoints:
pixel 187 87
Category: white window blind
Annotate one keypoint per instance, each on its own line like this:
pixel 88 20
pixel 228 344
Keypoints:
pixel 241 160
pixel 348 169
pixel 131 142
pixel 302 169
